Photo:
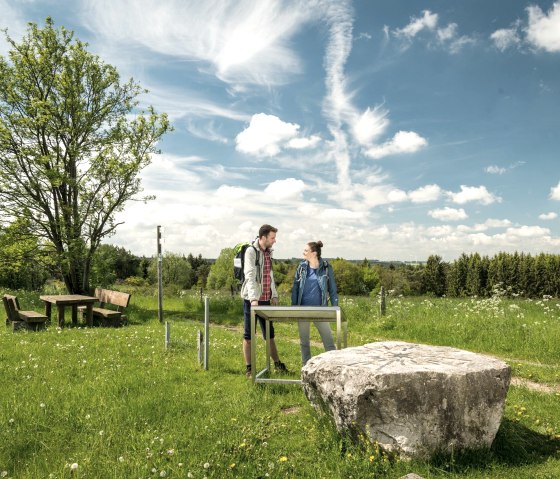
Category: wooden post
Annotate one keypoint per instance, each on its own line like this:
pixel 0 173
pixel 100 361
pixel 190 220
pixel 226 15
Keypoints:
pixel 159 274
pixel 382 305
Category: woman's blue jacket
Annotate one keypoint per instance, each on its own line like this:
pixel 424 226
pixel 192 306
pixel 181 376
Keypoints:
pixel 325 278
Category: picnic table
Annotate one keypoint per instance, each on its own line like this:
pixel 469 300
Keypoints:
pixel 72 300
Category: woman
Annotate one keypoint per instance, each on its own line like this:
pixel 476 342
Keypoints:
pixel 314 280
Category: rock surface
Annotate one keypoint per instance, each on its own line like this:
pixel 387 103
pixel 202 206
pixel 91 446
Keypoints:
pixel 413 399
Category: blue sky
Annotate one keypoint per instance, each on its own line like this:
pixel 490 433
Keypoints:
pixel 386 129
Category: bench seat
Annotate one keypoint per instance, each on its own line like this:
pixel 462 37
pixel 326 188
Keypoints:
pixel 32 316
pixel 22 319
pixel 117 299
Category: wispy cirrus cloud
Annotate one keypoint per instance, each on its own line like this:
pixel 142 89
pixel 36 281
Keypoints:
pixel 240 42
pixel 505 38
pixel 500 170
pixel 12 19
pixel 446 37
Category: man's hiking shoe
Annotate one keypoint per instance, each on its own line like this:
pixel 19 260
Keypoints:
pixel 248 371
pixel 281 367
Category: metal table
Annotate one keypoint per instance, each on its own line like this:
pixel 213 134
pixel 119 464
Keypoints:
pixel 286 314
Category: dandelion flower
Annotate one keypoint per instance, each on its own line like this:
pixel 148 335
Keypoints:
pixel 74 466
pixel 206 465
pixel 283 459
pixel 162 474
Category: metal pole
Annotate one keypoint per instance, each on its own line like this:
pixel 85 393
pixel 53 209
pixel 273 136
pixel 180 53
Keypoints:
pixel 382 306
pixel 167 334
pixel 159 273
pixel 206 331
pixel 199 337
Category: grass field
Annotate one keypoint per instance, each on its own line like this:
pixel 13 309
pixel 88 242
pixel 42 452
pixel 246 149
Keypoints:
pixel 114 403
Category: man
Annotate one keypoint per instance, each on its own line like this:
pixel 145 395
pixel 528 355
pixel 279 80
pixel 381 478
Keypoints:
pixel 259 289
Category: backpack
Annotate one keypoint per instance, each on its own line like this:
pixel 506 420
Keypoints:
pixel 239 260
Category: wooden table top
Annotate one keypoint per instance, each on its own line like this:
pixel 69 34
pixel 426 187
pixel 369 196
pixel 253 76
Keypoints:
pixel 68 298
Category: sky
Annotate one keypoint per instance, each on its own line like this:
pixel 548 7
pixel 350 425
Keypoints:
pixel 389 130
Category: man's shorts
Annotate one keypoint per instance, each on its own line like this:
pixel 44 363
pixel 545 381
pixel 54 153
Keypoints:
pixel 247 320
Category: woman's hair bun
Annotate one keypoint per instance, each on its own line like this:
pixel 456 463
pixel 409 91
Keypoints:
pixel 320 244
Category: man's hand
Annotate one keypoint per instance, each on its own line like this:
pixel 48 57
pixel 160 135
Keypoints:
pixel 274 301
pixel 255 302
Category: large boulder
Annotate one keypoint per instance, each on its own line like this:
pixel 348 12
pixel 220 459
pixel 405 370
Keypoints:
pixel 413 399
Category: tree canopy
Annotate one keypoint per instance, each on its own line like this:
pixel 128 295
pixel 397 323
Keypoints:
pixel 72 145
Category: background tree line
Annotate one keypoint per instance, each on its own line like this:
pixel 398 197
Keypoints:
pixel 25 264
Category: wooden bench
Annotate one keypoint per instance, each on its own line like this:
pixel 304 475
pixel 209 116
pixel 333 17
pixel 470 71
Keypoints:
pixel 111 307
pixel 22 319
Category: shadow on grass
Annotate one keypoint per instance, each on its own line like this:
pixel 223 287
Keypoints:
pixel 514 445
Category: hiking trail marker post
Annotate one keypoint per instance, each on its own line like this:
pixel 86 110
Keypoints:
pixel 159 275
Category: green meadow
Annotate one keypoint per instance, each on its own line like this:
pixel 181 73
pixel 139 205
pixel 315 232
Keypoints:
pixel 116 403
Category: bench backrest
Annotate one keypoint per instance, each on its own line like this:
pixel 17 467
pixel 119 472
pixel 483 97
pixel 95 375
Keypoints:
pixel 11 305
pixel 118 298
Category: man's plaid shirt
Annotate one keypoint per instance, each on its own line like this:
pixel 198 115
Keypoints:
pixel 266 282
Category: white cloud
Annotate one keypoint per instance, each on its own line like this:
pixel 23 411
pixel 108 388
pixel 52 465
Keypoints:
pixel 448 214
pixel 444 230
pixel 555 192
pixel 495 170
pixel 304 143
pixel 265 135
pixel 285 189
pixel 543 31
pixel 505 38
pixel 548 216
pixel 370 125
pixel 11 19
pixel 428 20
pixel 402 142
pixel 474 193
pixel 425 194
pixel 340 214
pixel 447 33
pixel 397 196
pixel 494 223
pixel 336 104
pixel 528 231
pixel 231 192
